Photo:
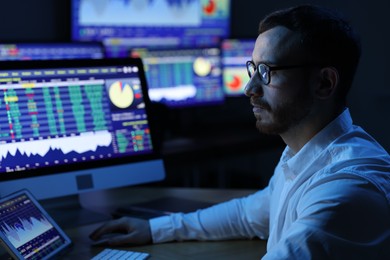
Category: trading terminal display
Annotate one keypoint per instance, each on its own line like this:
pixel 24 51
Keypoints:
pixel 50 117
pixel 235 54
pixel 183 77
pixel 125 24
pixel 51 51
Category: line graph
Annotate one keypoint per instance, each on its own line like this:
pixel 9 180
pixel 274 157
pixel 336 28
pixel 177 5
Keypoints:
pixel 22 221
pixel 80 144
pixel 140 12
pixel 24 224
pixel 25 230
pixel 176 93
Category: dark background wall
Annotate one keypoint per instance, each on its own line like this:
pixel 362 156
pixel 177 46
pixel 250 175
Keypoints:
pixel 49 20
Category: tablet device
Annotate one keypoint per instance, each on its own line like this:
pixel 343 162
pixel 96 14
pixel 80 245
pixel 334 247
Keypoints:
pixel 26 229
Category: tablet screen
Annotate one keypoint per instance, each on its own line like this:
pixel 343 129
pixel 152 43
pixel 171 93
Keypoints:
pixel 26 229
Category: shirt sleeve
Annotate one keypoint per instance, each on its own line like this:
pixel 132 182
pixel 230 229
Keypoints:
pixel 246 217
pixel 337 219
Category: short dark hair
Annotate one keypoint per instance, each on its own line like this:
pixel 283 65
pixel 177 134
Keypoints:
pixel 326 37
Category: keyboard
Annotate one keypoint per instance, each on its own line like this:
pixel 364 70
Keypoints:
pixel 109 253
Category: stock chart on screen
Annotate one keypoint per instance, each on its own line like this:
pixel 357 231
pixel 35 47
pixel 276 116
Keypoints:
pixel 51 51
pixel 123 24
pixel 235 53
pixel 62 119
pixel 27 229
pixel 43 115
pixel 183 77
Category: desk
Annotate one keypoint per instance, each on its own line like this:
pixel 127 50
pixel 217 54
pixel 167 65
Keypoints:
pixel 234 249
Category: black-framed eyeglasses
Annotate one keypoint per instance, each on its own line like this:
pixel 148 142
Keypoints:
pixel 264 69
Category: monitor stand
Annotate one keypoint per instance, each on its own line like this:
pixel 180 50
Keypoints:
pixel 77 210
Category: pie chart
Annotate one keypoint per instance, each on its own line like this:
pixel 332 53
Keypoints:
pixel 234 82
pixel 210 7
pixel 202 67
pixel 121 95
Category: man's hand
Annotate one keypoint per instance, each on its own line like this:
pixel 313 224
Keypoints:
pixel 123 231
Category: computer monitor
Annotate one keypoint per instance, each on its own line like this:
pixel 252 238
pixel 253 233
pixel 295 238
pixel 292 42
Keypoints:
pixel 122 25
pixel 235 54
pixel 75 126
pixel 51 51
pixel 183 78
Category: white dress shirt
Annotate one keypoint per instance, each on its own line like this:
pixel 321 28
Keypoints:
pixel 331 200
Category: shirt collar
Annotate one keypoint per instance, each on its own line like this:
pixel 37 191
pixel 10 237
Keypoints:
pixel 293 164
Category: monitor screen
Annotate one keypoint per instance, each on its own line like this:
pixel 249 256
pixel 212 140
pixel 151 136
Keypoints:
pixel 72 126
pixel 235 54
pixel 51 51
pixel 183 77
pixel 123 25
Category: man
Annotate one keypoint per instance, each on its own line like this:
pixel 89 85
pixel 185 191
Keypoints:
pixel 329 197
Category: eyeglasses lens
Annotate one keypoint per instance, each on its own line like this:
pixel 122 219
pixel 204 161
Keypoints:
pixel 264 73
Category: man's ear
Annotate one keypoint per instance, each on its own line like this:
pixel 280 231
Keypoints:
pixel 329 81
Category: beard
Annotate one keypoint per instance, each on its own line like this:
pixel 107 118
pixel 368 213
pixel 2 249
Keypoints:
pixel 280 119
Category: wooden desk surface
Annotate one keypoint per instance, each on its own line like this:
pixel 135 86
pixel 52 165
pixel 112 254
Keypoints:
pixel 234 249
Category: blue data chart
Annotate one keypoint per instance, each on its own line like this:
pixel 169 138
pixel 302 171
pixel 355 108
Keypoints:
pixel 183 77
pixel 235 54
pixel 27 229
pixel 140 13
pixel 123 24
pixel 50 51
pixel 40 112
pixel 58 118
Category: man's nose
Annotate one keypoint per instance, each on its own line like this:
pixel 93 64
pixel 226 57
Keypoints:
pixel 254 87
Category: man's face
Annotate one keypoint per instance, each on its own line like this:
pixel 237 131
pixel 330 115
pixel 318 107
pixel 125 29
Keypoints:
pixel 287 99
